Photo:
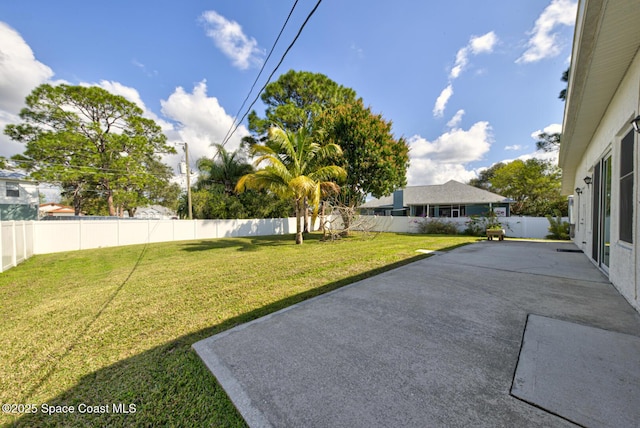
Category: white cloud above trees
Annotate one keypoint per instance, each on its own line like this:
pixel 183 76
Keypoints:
pixel 20 72
pixel 229 37
pixel 554 128
pixel 544 41
pixel 201 121
pixel 447 157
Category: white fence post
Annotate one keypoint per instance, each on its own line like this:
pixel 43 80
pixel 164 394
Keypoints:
pixel 14 252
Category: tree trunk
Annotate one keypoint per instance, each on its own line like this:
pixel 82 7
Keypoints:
pixel 77 201
pixel 299 208
pixel 305 207
pixel 346 220
pixel 112 208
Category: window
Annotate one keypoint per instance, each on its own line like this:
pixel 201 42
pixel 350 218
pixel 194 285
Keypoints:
pixel 626 187
pixel 13 190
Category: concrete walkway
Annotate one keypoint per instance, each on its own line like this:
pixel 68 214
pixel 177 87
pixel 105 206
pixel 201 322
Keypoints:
pixel 432 344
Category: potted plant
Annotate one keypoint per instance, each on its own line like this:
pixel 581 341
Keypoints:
pixel 494 227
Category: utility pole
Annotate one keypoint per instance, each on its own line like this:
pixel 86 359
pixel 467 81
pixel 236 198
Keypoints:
pixel 186 158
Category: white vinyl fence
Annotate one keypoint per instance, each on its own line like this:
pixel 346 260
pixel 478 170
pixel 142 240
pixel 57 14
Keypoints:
pixel 16 242
pixel 69 235
pixel 515 227
pixel 19 240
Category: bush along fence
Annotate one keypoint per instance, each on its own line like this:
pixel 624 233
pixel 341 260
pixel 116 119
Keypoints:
pixel 20 240
pixel 514 227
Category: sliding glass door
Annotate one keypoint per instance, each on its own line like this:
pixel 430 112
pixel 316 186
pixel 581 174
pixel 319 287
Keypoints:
pixel 600 251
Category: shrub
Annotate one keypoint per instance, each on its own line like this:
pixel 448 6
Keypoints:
pixel 434 226
pixel 478 225
pixel 558 229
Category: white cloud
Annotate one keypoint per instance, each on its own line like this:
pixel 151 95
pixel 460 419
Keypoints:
pixel 543 42
pixel 229 37
pixel 461 62
pixel 484 43
pixel 514 147
pixel 538 154
pixel 554 128
pixel 456 119
pixel 20 73
pixel 117 88
pixel 435 162
pixel 202 121
pixel 425 171
pixel 442 100
pixel 8 147
pixel 477 45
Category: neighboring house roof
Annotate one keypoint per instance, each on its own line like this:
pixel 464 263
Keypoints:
pixel 12 175
pixel 450 193
pixel 607 37
pixel 52 208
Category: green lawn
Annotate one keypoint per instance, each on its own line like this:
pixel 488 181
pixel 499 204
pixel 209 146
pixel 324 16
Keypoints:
pixel 115 325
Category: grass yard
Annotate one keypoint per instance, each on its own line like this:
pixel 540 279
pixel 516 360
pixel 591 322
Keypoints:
pixel 116 325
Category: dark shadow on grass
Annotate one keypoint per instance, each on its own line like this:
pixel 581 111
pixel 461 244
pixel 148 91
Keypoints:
pixel 169 385
pixel 248 243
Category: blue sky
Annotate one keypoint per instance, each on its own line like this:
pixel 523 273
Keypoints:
pixel 467 83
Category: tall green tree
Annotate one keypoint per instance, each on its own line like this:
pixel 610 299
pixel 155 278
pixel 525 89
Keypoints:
pixel 483 181
pixel 534 185
pixel 296 99
pixel 293 169
pixel 376 162
pixel 89 142
pixel 132 194
pixel 215 195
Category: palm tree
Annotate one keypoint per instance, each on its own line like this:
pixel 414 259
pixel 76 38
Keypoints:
pixel 224 168
pixel 293 169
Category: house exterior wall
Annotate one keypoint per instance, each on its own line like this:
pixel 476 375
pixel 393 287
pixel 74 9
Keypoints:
pixel 465 210
pixel 21 207
pixel 615 124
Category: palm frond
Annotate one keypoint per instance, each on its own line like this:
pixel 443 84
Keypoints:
pixel 327 173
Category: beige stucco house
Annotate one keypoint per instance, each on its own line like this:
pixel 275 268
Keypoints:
pixel 598 152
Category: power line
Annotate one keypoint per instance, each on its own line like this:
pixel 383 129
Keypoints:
pixel 261 70
pixel 274 71
pixel 88 169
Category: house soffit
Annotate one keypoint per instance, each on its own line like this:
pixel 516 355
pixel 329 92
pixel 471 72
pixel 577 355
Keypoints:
pixel 606 42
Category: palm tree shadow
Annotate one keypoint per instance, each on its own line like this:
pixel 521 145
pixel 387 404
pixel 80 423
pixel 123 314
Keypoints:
pixel 246 244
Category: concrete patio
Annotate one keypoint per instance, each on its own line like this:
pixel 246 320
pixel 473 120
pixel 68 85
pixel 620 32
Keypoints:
pixel 438 343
